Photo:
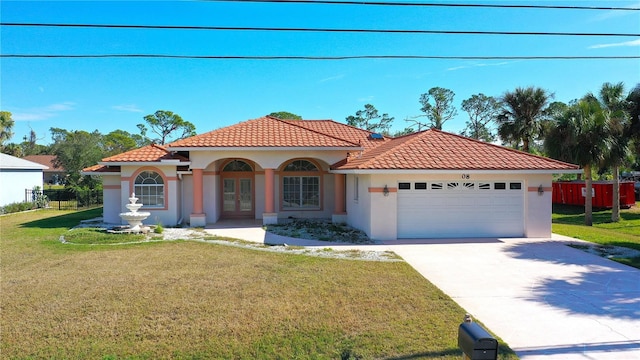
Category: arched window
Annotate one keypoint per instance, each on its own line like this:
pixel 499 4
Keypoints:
pixel 300 186
pixel 149 188
pixel 301 165
pixel 237 165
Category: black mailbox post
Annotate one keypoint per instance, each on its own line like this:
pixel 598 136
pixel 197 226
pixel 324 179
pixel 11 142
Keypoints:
pixel 476 343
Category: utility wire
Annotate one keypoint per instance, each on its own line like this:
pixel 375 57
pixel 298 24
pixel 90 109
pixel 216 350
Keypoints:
pixel 352 57
pixel 399 3
pixel 391 31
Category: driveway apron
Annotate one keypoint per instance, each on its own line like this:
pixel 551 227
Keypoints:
pixel 544 298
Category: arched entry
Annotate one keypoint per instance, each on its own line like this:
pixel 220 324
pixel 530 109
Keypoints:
pixel 237 190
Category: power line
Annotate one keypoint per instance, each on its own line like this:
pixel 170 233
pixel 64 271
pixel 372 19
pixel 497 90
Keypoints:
pixel 348 57
pixel 388 31
pixel 388 3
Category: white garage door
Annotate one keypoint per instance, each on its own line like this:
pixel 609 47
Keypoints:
pixel 445 209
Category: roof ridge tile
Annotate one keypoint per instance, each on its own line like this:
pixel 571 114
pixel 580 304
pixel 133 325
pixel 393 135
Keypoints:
pixel 292 122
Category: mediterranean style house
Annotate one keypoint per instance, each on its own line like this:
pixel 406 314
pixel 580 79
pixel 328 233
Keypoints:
pixel 430 184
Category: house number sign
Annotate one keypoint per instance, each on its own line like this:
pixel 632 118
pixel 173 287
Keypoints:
pixel 466 176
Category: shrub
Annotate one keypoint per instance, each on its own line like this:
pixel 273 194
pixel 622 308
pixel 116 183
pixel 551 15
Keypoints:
pixel 17 207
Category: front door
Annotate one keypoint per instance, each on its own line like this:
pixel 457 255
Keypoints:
pixel 237 190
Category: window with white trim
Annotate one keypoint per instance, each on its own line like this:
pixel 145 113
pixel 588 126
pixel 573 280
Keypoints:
pixel 301 186
pixel 356 188
pixel 149 189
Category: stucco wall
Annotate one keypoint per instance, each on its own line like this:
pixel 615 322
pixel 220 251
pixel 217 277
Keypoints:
pixel 170 214
pixel 111 199
pixel 538 207
pixel 265 159
pixel 14 182
pixel 384 218
pixel 358 211
pixel 376 214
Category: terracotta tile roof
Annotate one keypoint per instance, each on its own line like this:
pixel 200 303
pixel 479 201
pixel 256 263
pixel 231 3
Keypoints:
pixel 149 153
pixel 101 169
pixel 438 150
pixel 341 131
pixel 270 132
pixel 46 160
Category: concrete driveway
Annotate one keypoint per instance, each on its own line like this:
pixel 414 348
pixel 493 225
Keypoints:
pixel 545 299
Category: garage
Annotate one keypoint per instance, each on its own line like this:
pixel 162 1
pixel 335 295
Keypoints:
pixel 460 208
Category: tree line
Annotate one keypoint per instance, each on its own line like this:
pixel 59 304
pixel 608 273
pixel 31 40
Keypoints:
pixel 78 149
pixel 600 132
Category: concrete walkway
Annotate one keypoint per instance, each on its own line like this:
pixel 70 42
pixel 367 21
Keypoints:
pixel 545 299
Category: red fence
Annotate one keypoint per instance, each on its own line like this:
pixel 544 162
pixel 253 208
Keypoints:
pixel 573 192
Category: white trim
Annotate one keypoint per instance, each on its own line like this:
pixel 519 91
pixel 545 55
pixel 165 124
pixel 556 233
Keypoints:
pixel 98 173
pixel 453 171
pixel 146 163
pixel 267 148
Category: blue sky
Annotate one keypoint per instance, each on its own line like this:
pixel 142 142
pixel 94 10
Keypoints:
pixel 116 93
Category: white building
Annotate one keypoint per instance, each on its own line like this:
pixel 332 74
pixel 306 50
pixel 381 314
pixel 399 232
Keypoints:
pixel 17 175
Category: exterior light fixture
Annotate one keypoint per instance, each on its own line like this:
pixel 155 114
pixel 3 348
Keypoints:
pixel 385 191
pixel 540 190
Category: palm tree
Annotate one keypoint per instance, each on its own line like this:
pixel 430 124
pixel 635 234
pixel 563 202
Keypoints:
pixel 6 127
pixel 581 136
pixel 633 108
pixel 520 120
pixel 612 99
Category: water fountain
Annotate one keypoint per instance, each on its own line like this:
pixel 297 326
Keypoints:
pixel 133 217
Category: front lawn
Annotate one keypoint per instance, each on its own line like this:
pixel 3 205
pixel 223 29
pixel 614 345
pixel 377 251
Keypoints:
pixel 568 220
pixel 181 299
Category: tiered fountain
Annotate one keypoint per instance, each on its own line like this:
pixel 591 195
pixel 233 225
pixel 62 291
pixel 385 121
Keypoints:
pixel 133 217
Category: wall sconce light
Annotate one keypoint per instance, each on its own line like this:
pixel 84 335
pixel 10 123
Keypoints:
pixel 385 191
pixel 540 190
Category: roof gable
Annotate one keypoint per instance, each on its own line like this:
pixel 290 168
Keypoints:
pixel 149 153
pixel 12 162
pixel 268 132
pixel 46 160
pixel 438 150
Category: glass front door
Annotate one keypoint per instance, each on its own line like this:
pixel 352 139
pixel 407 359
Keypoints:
pixel 237 197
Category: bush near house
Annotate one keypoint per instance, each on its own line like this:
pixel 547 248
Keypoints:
pixel 17 207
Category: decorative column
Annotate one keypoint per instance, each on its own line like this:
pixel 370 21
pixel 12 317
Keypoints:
pixel 198 217
pixel 339 194
pixel 269 216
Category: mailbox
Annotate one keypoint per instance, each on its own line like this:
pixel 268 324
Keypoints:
pixel 476 343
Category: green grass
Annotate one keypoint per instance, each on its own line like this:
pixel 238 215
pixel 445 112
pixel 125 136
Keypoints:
pixel 92 236
pixel 192 300
pixel 569 220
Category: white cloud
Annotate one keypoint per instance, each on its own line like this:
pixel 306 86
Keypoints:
pixel 332 78
pixel 366 98
pixel 127 107
pixel 43 113
pixel 477 65
pixel 626 43
pixel 612 14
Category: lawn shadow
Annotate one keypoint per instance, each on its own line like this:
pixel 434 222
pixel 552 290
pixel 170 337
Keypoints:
pixel 427 355
pixel 63 221
pixel 600 287
pixel 504 352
